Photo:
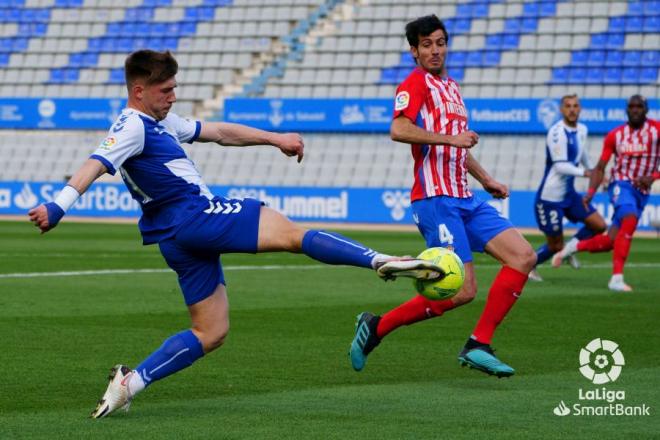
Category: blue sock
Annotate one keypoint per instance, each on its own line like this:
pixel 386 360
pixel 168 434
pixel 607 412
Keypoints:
pixel 583 233
pixel 331 248
pixel 176 353
pixel 543 254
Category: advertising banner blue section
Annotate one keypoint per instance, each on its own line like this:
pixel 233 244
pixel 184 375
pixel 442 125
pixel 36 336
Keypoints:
pixel 344 205
pixel 500 116
pixel 60 114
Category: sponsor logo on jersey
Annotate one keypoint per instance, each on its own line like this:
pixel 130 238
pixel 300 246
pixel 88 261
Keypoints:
pixel 632 149
pixel 401 101
pixel 108 143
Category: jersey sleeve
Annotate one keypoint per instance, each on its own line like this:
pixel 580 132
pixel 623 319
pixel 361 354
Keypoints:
pixel 410 97
pixel 609 146
pixel 124 140
pixel 186 130
pixel 557 146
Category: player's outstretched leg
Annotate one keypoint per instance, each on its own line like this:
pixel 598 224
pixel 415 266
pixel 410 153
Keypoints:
pixel 365 340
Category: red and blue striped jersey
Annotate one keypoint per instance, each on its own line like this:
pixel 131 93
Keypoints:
pixel 435 104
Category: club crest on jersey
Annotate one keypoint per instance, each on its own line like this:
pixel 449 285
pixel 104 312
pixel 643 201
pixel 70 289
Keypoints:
pixel 401 101
pixel 108 143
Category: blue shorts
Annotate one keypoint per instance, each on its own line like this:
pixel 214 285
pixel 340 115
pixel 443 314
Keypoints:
pixel 465 224
pixel 550 215
pixel 627 200
pixel 194 252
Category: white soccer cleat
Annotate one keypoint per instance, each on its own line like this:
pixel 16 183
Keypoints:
pixel 117 396
pixel 534 275
pixel 573 261
pixel 567 252
pixel 617 284
pixel 395 267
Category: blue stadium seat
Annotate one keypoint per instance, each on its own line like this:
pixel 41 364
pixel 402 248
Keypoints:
pixel 157 29
pixel 634 23
pixel 19 44
pixel 595 75
pixel 560 75
pixel 188 28
pixel 94 44
pixel 614 58
pixel 547 9
pixel 630 75
pixel 651 24
pixel 56 76
pixel 457 73
pixel 402 74
pixel 598 41
pixel 512 25
pixel 170 44
pixel 615 41
pixel 491 58
pixel 76 60
pixel 456 59
pixel 632 58
pixel 635 8
pixel 4 59
pixel 577 75
pixel 617 24
pixel 462 25
pixel 494 41
pixel 90 59
pixel 612 75
pixel 191 14
pixel 116 76
pixel 648 75
pixel 71 75
pixel 651 8
pixel 650 58
pixel 407 59
pixel 6 45
pixel 579 58
pixel 474 59
pixel 480 10
pixel 510 41
pixel 596 58
pixel 529 25
pixel 388 75
pixel 530 10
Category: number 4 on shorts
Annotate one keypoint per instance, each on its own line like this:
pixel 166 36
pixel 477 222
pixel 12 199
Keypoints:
pixel 445 235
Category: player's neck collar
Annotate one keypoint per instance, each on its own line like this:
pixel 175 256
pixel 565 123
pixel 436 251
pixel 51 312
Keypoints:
pixel 133 109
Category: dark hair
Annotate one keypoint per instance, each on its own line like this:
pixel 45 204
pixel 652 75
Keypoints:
pixel 151 66
pixel 424 26
pixel 565 97
pixel 645 103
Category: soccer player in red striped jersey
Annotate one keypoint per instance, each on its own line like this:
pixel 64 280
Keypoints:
pixel 636 149
pixel 429 114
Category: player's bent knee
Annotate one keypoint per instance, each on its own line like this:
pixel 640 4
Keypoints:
pixel 212 338
pixel 466 295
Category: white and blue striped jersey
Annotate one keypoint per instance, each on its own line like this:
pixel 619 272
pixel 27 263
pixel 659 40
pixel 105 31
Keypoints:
pixel 155 168
pixel 566 157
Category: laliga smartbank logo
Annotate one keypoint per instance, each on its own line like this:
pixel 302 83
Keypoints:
pixel 601 361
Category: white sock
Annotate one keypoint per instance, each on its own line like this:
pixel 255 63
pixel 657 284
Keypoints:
pixel 378 258
pixel 617 278
pixel 135 384
pixel 571 247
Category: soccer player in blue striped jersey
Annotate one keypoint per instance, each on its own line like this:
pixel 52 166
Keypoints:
pixel 556 198
pixel 192 226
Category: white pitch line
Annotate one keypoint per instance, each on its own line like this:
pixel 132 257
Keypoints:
pixel 266 267
pixel 130 271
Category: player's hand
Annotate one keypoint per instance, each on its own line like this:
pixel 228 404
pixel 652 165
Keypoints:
pixel 496 189
pixel 467 139
pixel 643 182
pixel 291 144
pixel 587 173
pixel 586 201
pixel 46 216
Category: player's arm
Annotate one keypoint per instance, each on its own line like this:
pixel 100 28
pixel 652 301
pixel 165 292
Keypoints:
pixel 229 134
pixel 495 188
pixel 47 216
pixel 598 172
pixel 404 130
pixel 569 169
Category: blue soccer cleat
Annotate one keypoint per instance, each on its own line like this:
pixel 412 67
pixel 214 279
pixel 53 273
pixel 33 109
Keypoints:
pixel 365 339
pixel 483 358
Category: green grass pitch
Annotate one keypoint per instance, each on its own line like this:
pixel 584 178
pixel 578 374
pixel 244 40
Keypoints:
pixel 284 371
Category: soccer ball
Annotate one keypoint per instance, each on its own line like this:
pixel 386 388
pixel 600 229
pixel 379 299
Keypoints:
pixel 447 287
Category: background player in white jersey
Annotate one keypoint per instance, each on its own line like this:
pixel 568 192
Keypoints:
pixel 192 226
pixel 556 198
pixel 429 114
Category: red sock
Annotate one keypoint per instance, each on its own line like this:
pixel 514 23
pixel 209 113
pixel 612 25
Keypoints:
pixel 417 309
pixel 504 292
pixel 598 243
pixel 622 243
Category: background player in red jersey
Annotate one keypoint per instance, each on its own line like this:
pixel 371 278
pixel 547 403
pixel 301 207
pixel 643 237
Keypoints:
pixel 430 115
pixel 636 149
